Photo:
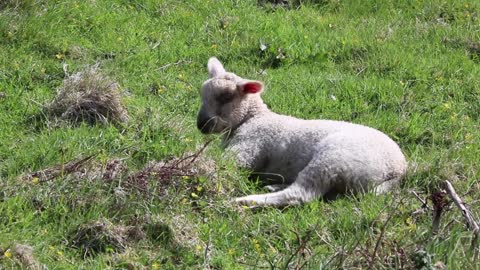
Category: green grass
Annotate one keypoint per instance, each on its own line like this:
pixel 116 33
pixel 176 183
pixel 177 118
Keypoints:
pixel 408 68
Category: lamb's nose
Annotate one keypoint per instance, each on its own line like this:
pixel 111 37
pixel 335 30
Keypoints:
pixel 201 125
pixel 205 126
pixel 204 122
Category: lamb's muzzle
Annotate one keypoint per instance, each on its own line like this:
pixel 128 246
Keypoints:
pixel 315 158
pixel 205 123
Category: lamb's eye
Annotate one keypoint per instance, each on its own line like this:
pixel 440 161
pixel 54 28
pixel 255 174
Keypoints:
pixel 225 97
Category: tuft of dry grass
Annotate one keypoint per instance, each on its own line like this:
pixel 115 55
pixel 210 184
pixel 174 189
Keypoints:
pixel 102 236
pixel 15 4
pixel 24 254
pixel 89 96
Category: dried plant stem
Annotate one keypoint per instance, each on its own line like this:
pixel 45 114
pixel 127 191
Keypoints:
pixel 173 64
pixel 424 202
pixel 465 212
pixel 437 214
pixel 59 170
pixel 391 214
pixel 439 203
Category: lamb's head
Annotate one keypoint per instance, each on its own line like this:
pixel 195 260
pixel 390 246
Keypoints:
pixel 227 100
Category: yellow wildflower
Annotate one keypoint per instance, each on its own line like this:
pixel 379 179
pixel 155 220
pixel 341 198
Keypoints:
pixel 60 56
pixel 35 180
pixel 199 188
pixel 194 195
pixel 411 224
pixel 8 253
pixel 256 245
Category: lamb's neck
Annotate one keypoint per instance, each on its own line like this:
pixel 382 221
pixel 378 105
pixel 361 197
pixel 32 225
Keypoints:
pixel 256 109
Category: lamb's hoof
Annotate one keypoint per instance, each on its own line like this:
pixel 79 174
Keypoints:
pixel 276 187
pixel 246 203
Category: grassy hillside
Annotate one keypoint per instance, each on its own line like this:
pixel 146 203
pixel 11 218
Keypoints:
pixel 410 68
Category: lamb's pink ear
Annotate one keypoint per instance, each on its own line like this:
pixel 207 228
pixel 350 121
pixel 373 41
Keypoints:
pixel 250 87
pixel 215 68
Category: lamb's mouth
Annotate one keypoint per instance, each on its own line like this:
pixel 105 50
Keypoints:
pixel 212 125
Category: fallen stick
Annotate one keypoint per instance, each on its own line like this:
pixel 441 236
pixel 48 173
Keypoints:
pixel 465 212
pixel 424 202
pixel 424 208
pixel 173 64
pixel 58 170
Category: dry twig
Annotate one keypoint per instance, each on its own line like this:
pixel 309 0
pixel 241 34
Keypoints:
pixel 423 208
pixel 173 64
pixel 465 212
pixel 58 170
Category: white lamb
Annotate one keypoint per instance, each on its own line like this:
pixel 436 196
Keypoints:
pixel 313 158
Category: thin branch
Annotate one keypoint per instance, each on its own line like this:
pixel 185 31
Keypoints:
pixel 424 202
pixel 382 233
pixel 206 255
pixel 465 212
pixel 173 64
pixel 57 170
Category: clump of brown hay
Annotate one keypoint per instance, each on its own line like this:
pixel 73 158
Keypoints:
pixel 102 236
pixel 24 254
pixel 89 96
